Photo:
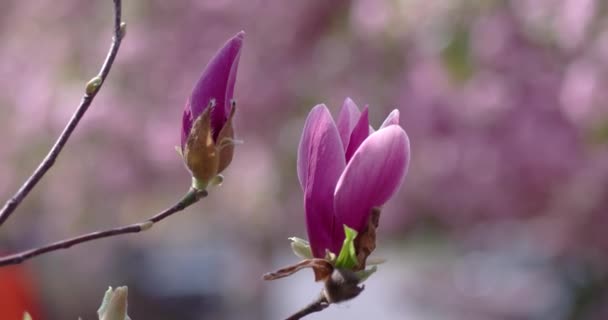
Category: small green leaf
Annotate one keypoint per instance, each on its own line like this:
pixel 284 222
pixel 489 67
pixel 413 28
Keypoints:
pixel 26 316
pixel 364 274
pixel 301 248
pixel 347 258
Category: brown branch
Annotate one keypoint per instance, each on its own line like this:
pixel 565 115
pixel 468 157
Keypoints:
pixel 318 305
pixel 190 198
pixel 90 93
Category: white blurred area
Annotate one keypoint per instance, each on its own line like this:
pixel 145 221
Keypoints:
pixel 503 275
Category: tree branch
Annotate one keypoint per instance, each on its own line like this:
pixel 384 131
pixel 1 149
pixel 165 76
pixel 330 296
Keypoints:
pixel 90 93
pixel 318 305
pixel 191 197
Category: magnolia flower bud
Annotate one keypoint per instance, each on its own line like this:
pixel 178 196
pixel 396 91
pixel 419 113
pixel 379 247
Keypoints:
pixel 114 305
pixel 207 138
pixel 345 171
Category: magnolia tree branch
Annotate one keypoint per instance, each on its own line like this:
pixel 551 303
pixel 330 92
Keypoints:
pixel 91 91
pixel 190 198
pixel 318 305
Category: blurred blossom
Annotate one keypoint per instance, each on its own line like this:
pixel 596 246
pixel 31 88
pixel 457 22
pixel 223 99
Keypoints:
pixel 573 22
pixel 371 18
pixel 345 171
pixel 578 90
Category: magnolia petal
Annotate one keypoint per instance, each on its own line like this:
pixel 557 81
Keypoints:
pixel 372 176
pixel 348 117
pixel 114 304
pixel 392 118
pixel 319 119
pixel 232 79
pixel 320 163
pixel 359 134
pixel 217 83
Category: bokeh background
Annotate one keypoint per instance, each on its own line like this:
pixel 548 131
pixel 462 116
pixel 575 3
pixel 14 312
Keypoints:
pixel 503 215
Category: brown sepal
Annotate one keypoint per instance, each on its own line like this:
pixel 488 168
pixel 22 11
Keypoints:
pixel 365 243
pixel 200 153
pixel 321 267
pixel 224 141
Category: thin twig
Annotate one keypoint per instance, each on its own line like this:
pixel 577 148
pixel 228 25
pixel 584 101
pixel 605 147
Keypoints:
pixel 318 305
pixel 190 198
pixel 90 93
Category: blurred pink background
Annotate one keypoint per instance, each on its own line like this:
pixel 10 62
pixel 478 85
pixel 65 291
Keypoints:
pixel 503 214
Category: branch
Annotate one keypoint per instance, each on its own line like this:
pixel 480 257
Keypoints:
pixel 91 91
pixel 191 197
pixel 318 305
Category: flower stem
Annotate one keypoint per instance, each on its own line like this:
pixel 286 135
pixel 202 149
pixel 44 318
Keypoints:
pixel 90 93
pixel 318 305
pixel 191 197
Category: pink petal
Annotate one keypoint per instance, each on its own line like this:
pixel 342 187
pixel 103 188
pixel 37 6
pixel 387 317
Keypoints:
pixel 348 117
pixel 372 176
pixel 392 118
pixel 232 77
pixel 320 163
pixel 359 134
pixel 217 82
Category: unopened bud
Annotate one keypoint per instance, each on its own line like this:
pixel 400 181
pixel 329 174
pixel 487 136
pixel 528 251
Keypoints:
pixel 123 30
pixel 93 85
pixel 114 305
pixel 146 225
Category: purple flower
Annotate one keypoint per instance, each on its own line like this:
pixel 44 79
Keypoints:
pixel 345 171
pixel 207 134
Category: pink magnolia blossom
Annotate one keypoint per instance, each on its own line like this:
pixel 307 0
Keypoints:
pixel 207 134
pixel 346 169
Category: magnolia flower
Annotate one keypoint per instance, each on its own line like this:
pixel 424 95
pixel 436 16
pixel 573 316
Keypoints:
pixel 346 170
pixel 207 134
pixel 114 304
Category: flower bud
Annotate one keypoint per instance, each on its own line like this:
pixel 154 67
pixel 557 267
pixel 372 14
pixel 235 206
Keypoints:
pixel 207 137
pixel 114 305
